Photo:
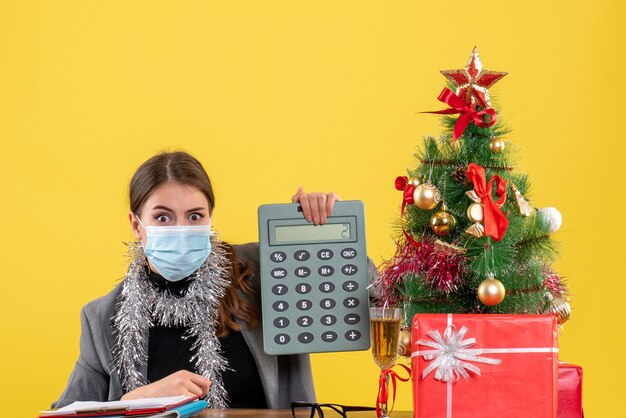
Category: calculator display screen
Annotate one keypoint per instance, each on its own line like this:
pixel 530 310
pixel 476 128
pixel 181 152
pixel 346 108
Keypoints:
pixel 305 233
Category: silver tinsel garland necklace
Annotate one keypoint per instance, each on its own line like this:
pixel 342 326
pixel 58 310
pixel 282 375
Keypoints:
pixel 142 305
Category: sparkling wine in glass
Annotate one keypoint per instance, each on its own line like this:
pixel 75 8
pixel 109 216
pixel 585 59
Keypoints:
pixel 385 334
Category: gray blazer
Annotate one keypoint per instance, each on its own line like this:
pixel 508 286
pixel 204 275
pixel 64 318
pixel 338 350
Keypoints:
pixel 285 378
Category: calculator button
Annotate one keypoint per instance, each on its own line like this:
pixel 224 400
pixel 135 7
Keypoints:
pixel 303 271
pixel 303 288
pixel 327 303
pixel 281 322
pixel 304 304
pixel 301 255
pixel 327 287
pixel 305 321
pixel 353 335
pixel 328 320
pixel 349 269
pixel 351 319
pixel 350 286
pixel 305 337
pixel 326 271
pixel 279 289
pixel 329 336
pixel 348 253
pixel 281 339
pixel 350 302
pixel 279 273
pixel 278 256
pixel 280 306
pixel 325 254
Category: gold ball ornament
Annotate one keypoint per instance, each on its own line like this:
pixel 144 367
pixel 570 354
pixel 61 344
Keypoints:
pixel 404 344
pixel 475 212
pixel 442 223
pixel 496 145
pixel 426 196
pixel 491 291
pixel 414 182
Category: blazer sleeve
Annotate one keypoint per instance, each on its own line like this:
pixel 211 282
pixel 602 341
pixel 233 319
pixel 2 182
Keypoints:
pixel 297 377
pixel 88 381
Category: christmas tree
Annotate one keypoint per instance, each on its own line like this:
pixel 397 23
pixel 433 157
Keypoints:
pixel 471 241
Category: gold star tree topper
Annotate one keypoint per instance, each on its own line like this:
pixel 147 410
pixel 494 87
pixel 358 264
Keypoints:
pixel 472 82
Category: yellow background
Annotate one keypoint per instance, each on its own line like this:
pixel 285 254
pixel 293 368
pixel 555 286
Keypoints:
pixel 274 94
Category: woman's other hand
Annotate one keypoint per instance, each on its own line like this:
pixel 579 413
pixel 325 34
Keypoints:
pixel 182 382
pixel 316 206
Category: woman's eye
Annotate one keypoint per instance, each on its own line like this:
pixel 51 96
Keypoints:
pixel 195 217
pixel 162 218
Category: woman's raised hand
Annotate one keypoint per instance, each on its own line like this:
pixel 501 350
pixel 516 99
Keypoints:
pixel 316 206
pixel 182 382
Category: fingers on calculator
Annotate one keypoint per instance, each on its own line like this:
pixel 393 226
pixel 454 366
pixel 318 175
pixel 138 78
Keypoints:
pixel 316 207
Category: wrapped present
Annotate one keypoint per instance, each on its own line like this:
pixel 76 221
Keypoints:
pixel 570 391
pixel 471 366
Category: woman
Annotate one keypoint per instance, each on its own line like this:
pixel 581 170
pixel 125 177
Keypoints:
pixel 184 320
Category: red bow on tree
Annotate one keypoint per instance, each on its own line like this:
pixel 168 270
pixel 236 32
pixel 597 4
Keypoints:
pixel 407 189
pixel 402 184
pixel 496 222
pixel 468 113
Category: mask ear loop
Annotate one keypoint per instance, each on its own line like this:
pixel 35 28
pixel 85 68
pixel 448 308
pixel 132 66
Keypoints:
pixel 139 220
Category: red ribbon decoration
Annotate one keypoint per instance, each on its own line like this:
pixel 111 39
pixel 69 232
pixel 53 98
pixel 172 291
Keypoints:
pixel 496 222
pixel 468 113
pixel 402 184
pixel 383 386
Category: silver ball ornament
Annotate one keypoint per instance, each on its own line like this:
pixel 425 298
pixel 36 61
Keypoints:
pixel 552 216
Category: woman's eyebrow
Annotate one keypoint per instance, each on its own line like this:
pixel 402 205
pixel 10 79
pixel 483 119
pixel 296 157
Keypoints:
pixel 198 209
pixel 162 208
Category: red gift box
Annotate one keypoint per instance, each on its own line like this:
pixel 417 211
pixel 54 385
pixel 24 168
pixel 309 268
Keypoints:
pixel 473 366
pixel 570 391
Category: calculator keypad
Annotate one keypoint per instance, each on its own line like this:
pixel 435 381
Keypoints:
pixel 331 283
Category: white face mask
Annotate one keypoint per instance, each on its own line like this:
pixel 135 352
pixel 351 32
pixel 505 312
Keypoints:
pixel 177 251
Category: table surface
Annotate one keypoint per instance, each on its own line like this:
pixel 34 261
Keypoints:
pixel 286 413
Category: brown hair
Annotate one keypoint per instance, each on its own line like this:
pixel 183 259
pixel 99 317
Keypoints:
pixel 183 168
pixel 168 166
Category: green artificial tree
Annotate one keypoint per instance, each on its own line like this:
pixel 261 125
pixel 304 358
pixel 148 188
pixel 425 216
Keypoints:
pixel 470 240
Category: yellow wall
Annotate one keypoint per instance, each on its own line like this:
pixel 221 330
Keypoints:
pixel 273 94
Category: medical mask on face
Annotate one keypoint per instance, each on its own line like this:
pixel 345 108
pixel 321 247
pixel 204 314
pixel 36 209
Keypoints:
pixel 177 251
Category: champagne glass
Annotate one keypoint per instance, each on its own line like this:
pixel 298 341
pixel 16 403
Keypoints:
pixel 385 334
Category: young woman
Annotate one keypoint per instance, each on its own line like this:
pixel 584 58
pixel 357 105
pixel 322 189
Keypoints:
pixel 184 320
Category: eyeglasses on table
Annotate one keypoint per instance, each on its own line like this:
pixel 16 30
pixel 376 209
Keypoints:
pixel 318 407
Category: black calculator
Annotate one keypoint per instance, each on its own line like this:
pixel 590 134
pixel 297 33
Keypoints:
pixel 314 280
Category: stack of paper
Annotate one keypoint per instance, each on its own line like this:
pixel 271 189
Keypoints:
pixel 174 407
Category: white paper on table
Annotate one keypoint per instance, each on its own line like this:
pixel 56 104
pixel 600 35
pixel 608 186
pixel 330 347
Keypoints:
pixel 90 406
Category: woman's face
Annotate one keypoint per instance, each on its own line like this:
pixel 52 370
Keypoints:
pixel 171 204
